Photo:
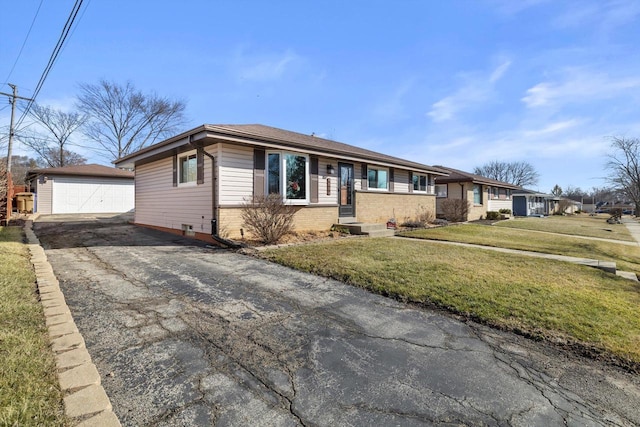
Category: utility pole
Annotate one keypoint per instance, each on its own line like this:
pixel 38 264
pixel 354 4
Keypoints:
pixel 14 96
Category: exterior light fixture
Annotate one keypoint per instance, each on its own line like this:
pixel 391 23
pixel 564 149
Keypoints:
pixel 330 170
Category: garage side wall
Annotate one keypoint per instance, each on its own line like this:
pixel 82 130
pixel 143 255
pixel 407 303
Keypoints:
pixel 160 204
pixel 43 196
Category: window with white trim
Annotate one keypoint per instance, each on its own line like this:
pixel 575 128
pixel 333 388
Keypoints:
pixel 378 178
pixel 287 175
pixel 187 169
pixel 420 183
pixel 441 190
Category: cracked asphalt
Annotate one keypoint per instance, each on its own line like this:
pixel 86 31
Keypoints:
pixel 183 334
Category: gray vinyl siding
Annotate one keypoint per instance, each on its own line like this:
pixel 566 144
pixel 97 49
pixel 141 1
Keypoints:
pixel 323 198
pixel 161 204
pixel 497 204
pixel 235 174
pixel 401 181
pixel 44 196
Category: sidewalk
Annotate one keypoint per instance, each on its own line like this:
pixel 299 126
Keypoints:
pixel 634 228
pixel 608 266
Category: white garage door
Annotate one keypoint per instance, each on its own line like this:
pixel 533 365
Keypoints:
pixel 91 195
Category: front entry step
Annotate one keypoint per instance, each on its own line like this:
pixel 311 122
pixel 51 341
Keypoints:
pixel 371 230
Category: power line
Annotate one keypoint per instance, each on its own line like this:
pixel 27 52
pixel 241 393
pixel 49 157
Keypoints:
pixel 52 58
pixel 23 44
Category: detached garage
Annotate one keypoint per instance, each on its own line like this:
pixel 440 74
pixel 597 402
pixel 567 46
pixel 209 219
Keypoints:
pixel 82 189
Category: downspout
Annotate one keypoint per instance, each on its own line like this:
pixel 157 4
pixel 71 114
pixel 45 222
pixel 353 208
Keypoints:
pixel 214 204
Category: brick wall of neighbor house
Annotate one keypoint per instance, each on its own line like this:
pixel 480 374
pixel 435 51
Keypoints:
pixel 306 219
pixel 378 207
pixel 476 211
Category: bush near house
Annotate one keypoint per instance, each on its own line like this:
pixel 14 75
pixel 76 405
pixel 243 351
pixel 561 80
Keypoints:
pixel 505 211
pixel 268 218
pixel 423 217
pixel 493 215
pixel 455 210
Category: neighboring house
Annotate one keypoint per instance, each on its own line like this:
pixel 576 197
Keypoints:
pixel 327 181
pixel 82 189
pixel 483 194
pixel 533 203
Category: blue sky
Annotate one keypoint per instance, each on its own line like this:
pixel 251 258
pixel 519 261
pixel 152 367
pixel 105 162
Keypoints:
pixel 454 83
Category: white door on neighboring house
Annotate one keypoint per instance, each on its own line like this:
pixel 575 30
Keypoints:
pixel 91 195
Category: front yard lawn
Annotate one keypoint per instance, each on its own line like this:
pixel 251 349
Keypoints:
pixel 594 310
pixel 29 389
pixel 627 257
pixel 578 225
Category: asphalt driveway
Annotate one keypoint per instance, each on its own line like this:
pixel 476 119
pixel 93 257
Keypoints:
pixel 183 334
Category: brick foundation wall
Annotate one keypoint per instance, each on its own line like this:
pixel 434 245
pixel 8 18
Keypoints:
pixel 305 219
pixel 374 207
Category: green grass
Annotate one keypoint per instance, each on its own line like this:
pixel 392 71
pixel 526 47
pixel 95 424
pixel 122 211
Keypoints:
pixel 627 257
pixel 543 298
pixel 578 225
pixel 29 389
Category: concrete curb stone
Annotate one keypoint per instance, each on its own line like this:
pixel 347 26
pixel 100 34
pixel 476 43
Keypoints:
pixel 86 403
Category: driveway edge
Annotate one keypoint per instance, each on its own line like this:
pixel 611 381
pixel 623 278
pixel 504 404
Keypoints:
pixel 85 401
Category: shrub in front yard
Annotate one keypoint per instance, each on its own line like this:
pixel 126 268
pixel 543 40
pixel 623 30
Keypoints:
pixel 455 210
pixel 423 217
pixel 268 218
pixel 493 215
pixel 505 211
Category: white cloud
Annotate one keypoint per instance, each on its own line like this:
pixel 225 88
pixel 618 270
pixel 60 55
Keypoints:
pixel 553 128
pixel 477 88
pixel 264 67
pixel 579 86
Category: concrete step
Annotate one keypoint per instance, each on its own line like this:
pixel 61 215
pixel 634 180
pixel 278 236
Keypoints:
pixel 627 275
pixel 382 233
pixel 347 220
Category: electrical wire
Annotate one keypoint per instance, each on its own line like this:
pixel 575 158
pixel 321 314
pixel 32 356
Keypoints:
pixel 23 44
pixel 52 58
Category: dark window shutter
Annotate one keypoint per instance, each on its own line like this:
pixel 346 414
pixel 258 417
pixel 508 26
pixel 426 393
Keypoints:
pixel 391 179
pixel 175 170
pixel 200 165
pixel 314 179
pixel 410 182
pixel 365 178
pixel 258 172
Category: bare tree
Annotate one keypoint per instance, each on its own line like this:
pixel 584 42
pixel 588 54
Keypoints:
pixel 624 168
pixel 124 120
pixel 557 190
pixel 52 155
pixel 516 173
pixel 51 144
pixel 574 193
pixel 20 165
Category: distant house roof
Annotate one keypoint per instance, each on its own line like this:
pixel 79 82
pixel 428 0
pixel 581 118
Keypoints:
pixel 526 192
pixel 84 170
pixel 269 137
pixel 456 175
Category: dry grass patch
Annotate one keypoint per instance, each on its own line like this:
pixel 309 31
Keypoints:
pixel 578 225
pixel 29 389
pixel 627 257
pixel 555 300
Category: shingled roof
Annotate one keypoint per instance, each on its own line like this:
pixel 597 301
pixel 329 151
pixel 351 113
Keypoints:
pixel 261 134
pixel 456 175
pixel 85 170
